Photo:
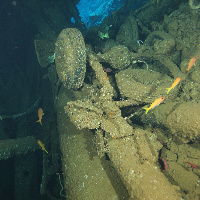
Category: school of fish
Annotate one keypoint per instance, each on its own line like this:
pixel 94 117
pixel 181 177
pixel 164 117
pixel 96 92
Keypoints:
pixel 176 82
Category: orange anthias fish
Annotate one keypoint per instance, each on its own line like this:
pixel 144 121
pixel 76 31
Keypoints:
pixel 42 146
pixel 174 84
pixel 191 63
pixel 154 104
pixel 40 114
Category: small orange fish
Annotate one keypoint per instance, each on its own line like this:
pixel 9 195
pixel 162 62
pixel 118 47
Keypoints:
pixel 191 63
pixel 154 104
pixel 42 146
pixel 40 114
pixel 174 84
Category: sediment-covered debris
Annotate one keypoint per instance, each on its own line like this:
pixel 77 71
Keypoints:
pixel 186 128
pixel 134 152
pixel 137 163
pixel 118 57
pixel 99 110
pixel 141 85
pixel 135 159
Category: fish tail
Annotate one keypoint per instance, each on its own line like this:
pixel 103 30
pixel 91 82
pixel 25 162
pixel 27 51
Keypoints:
pixel 147 110
pixel 168 89
pixel 39 121
pixel 45 150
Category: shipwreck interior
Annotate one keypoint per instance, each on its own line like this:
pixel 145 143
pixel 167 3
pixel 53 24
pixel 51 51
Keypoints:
pixel 86 107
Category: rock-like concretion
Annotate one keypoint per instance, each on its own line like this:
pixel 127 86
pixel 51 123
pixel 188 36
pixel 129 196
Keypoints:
pixel 70 58
pixel 118 57
pixel 184 121
pixel 142 85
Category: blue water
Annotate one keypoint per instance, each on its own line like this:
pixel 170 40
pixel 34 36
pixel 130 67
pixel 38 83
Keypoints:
pixel 101 9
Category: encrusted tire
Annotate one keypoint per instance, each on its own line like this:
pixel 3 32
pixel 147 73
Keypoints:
pixel 70 58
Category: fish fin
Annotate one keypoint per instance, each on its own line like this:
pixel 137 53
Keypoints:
pixel 39 121
pixel 168 89
pixel 147 110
